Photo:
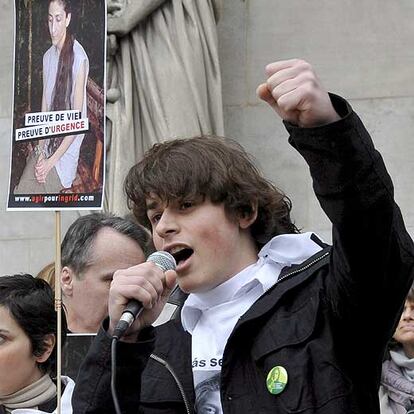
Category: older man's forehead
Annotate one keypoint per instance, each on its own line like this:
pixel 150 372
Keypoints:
pixel 104 254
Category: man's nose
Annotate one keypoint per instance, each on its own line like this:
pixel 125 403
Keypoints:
pixel 408 313
pixel 167 224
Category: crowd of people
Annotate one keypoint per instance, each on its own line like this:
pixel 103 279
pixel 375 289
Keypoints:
pixel 246 275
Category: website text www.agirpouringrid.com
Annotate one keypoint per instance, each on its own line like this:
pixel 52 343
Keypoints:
pixel 59 198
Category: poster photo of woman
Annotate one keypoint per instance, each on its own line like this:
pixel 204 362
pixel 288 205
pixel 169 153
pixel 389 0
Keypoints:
pixel 57 159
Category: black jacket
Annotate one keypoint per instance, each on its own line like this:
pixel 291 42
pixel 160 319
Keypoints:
pixel 327 321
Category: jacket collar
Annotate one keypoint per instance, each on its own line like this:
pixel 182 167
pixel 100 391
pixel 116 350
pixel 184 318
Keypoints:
pixel 289 278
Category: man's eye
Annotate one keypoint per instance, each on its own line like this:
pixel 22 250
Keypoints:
pixel 155 218
pixel 186 204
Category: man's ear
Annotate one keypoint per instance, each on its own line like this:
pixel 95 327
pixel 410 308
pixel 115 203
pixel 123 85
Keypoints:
pixel 68 19
pixel 247 218
pixel 66 280
pixel 49 342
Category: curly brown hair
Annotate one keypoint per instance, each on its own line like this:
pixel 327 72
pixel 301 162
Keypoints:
pixel 215 168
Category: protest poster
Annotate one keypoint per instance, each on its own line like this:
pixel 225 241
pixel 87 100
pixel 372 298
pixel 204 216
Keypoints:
pixel 58 126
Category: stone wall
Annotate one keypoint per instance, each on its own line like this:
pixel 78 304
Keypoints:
pixel 361 50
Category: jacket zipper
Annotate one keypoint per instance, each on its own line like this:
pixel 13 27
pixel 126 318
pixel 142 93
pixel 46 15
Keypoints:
pixel 177 381
pixel 293 272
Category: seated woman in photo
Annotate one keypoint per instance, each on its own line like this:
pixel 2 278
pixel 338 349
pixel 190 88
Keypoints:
pixel 52 166
pixel 28 331
pixel 397 378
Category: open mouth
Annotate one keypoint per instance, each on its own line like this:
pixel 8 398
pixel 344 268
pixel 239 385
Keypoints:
pixel 182 255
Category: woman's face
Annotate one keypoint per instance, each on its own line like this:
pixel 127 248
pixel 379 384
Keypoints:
pixel 58 21
pixel 404 334
pixel 18 366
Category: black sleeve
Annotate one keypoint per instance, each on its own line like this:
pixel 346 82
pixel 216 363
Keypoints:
pixel 372 258
pixel 92 393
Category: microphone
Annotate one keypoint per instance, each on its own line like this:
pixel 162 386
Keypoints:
pixel 165 261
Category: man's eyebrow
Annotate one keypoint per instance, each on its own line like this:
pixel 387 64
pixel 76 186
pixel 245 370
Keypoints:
pixel 107 275
pixel 152 205
pixel 4 331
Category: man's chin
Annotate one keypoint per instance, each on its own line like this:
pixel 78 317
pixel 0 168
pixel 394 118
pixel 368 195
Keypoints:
pixel 187 286
pixel 192 287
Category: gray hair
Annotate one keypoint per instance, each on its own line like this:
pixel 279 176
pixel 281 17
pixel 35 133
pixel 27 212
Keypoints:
pixel 78 240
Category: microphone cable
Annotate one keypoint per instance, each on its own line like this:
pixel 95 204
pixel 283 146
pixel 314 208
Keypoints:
pixel 165 261
pixel 113 376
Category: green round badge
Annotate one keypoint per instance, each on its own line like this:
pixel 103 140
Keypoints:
pixel 276 380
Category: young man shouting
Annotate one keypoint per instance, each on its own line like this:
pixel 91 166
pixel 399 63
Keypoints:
pixel 274 319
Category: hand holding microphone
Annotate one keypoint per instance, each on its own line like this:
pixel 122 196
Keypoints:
pixel 139 293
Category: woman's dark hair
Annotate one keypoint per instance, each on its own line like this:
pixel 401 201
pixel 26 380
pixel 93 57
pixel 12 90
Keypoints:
pixel 30 302
pixel 62 91
pixel 215 168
